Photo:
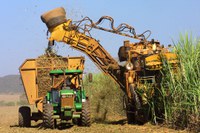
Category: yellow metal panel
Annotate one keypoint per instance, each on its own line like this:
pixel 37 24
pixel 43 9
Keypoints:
pixel 28 75
pixel 40 105
pixel 153 60
pixel 28 64
pixel 76 63
pixel 171 57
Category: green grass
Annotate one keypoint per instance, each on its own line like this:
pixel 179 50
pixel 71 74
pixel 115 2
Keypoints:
pixel 182 100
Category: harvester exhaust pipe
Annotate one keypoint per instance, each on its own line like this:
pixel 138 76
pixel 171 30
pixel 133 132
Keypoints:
pixel 54 17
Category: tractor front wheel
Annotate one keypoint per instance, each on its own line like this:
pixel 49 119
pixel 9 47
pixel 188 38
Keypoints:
pixel 24 116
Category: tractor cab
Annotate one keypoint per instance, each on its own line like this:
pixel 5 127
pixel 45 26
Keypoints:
pixel 66 79
pixel 66 87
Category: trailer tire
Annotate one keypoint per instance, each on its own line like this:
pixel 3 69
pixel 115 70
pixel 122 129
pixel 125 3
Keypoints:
pixel 85 115
pixel 48 120
pixel 24 119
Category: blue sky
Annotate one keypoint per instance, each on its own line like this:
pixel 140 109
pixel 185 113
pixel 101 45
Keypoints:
pixel 23 35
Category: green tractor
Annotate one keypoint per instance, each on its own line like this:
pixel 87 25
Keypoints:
pixel 66 100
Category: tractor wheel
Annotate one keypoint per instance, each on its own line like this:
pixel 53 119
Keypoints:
pixel 48 120
pixel 85 115
pixel 24 116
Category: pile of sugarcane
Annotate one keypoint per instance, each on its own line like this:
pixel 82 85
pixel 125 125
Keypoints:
pixel 46 63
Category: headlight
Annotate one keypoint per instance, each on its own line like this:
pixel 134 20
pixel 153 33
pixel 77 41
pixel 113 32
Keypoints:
pixel 129 66
pixel 154 47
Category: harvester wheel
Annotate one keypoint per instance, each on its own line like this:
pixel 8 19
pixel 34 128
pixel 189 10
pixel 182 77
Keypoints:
pixel 48 120
pixel 24 116
pixel 134 108
pixel 85 115
pixel 131 118
pixel 135 97
pixel 141 113
pixel 129 111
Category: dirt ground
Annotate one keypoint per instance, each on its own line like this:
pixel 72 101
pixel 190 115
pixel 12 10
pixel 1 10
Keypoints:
pixel 9 118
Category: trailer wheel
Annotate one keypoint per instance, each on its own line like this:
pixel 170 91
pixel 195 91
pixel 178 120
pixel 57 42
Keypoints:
pixel 48 120
pixel 85 115
pixel 24 119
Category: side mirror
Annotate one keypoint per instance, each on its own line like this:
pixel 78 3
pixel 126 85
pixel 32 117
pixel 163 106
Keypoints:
pixel 90 78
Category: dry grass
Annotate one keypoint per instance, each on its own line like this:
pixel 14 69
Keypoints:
pixel 9 117
pixel 9 97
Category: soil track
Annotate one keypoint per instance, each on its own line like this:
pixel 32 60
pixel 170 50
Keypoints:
pixel 9 118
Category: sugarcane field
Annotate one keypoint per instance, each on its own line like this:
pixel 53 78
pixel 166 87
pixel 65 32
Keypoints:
pixel 100 66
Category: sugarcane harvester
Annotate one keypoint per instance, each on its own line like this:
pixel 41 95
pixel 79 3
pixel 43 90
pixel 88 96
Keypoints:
pixel 143 59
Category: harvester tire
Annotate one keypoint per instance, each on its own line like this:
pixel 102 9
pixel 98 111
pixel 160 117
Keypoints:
pixel 140 115
pixel 129 111
pixel 135 97
pixel 48 120
pixel 24 116
pixel 131 118
pixel 85 115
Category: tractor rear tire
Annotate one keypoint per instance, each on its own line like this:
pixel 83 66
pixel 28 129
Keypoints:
pixel 48 120
pixel 85 115
pixel 24 119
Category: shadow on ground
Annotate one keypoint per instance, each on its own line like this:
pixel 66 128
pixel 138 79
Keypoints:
pixel 40 126
pixel 118 122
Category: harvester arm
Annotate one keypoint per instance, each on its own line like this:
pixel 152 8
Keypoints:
pixel 65 31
